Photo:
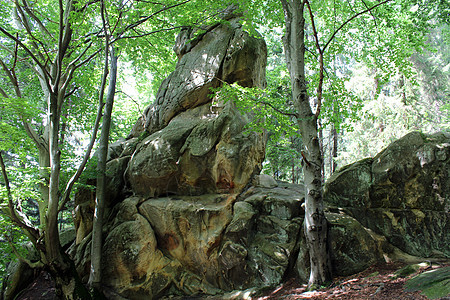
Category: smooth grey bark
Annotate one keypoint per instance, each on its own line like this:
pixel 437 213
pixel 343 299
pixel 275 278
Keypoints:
pixel 315 224
pixel 95 275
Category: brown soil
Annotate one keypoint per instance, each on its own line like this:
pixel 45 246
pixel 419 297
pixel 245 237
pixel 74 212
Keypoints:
pixel 377 282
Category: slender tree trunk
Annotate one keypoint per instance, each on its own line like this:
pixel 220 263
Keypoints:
pixel 334 150
pixel 51 235
pixel 95 275
pixel 321 147
pixel 44 176
pixel 315 222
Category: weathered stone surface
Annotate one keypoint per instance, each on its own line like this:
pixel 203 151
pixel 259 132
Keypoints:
pixel 215 243
pixel 198 145
pixel 435 284
pixel 353 249
pixel 203 150
pixel 266 227
pixel 190 229
pixel 114 183
pixel 265 181
pixel 204 244
pixel 223 53
pixel 402 193
pixel 188 143
pixel 18 274
pixel 202 221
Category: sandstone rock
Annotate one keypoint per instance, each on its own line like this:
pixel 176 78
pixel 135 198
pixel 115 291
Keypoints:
pixel 199 152
pixel 202 221
pixel 402 193
pixel 265 181
pixel 353 249
pixel 223 53
pixel 216 243
pixel 18 274
pixel 435 284
pixel 198 145
pixel 114 183
pixel 267 225
pixel 190 229
pixel 83 217
pixel 186 142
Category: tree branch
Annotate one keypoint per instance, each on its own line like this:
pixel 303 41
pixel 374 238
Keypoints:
pixel 351 19
pixel 11 78
pixel 33 233
pixel 31 133
pixel 36 19
pixel 145 34
pixel 146 18
pixel 26 25
pixel 30 53
pixel 321 67
pixel 3 93
pixel 276 109
pixel 374 18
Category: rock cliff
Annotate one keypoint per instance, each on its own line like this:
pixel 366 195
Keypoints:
pixel 402 193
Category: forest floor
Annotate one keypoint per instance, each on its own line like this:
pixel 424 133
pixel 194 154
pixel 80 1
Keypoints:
pixel 377 282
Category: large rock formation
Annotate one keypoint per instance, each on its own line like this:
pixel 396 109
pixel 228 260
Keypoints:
pixel 189 214
pixel 194 144
pixel 402 193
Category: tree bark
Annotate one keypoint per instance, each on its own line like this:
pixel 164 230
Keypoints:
pixel 315 223
pixel 95 275
pixel 334 150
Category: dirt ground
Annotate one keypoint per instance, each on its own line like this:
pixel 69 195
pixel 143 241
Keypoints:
pixel 377 282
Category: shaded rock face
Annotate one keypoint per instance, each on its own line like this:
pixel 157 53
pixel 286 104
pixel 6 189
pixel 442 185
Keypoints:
pixel 188 143
pixel 402 193
pixel 214 243
pixel 207 244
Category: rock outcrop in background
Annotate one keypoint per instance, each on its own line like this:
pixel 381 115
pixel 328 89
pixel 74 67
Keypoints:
pixel 402 193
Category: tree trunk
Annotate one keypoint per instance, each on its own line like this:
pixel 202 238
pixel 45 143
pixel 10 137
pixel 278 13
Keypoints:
pixel 315 222
pixel 321 148
pixel 96 249
pixel 51 234
pixel 334 150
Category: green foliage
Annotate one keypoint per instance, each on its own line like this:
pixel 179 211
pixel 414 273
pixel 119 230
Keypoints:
pixel 9 233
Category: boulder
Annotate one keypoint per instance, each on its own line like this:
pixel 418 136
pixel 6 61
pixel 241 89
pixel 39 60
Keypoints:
pixel 206 244
pixel 223 53
pixel 435 284
pixel 197 144
pixel 353 247
pixel 203 150
pixel 265 227
pixel 402 193
pixel 216 243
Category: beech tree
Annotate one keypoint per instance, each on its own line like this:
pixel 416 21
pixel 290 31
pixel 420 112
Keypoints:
pixel 316 33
